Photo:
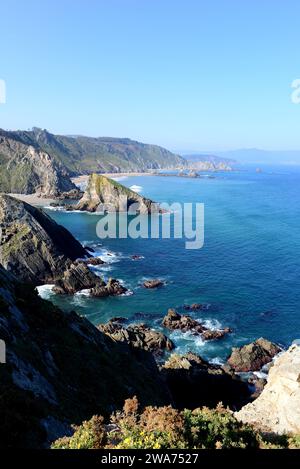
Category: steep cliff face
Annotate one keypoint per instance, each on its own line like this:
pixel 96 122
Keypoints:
pixel 277 409
pixel 104 194
pixel 60 369
pixel 32 245
pixel 26 169
pixel 85 155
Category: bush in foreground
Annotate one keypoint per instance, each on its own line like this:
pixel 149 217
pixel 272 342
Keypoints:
pixel 162 428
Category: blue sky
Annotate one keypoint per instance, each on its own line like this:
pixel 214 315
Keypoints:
pixel 189 75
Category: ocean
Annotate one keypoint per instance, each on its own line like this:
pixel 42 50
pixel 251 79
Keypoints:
pixel 247 272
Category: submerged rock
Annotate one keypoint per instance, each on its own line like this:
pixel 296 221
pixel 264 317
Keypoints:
pixel 277 409
pixel 153 283
pixel 194 307
pixel 253 356
pixel 174 321
pixel 137 335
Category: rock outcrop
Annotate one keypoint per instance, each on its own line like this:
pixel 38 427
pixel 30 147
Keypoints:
pixel 36 249
pixel 194 382
pixel 175 321
pixel 112 288
pixel 105 195
pixel 33 246
pixel 277 409
pixel 252 357
pixel 60 369
pixel 26 169
pixel 137 335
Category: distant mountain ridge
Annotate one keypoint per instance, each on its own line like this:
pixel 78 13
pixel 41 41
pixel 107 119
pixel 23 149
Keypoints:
pixel 84 155
pixel 201 162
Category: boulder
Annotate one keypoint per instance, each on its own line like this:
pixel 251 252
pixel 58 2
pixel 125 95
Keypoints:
pixel 112 288
pixel 153 283
pixel 137 335
pixel 277 409
pixel 174 321
pixel 253 356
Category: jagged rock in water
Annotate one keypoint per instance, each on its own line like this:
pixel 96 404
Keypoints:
pixel 137 335
pixel 252 357
pixel 105 195
pixel 33 246
pixel 153 283
pixel 194 382
pixel 77 277
pixel 38 250
pixel 173 321
pixel 277 409
pixel 26 169
pixel 112 288
pixel 61 370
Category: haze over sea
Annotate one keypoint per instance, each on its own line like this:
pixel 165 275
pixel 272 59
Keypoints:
pixel 248 270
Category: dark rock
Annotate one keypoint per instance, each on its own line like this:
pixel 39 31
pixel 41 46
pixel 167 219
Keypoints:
pixel 173 321
pixel 194 383
pixel 153 283
pixel 194 307
pixel 62 369
pixel 94 261
pixel 137 335
pixel 112 288
pixel 253 356
pixel 33 246
pixel 77 277
pixel 136 257
pixel 89 249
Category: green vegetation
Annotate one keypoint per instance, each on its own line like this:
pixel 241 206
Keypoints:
pixel 86 155
pixel 163 428
pixel 168 428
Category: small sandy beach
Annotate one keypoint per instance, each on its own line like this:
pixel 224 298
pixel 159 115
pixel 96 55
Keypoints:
pixel 81 179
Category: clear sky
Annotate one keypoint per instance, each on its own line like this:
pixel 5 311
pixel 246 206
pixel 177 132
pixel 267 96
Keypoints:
pixel 185 74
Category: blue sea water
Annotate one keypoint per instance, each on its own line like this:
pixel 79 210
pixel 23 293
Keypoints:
pixel 247 271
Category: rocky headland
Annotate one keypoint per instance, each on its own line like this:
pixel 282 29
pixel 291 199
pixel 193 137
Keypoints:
pixel 37 250
pixel 106 195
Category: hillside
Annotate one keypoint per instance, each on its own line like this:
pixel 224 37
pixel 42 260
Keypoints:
pixel 85 155
pixel 26 169
pixel 60 369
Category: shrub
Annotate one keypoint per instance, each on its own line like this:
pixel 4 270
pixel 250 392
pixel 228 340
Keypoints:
pixel 217 429
pixel 90 435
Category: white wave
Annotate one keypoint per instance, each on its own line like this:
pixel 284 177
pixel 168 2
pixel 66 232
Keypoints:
pixel 217 361
pixel 45 291
pixel 84 292
pixel 212 324
pixel 119 178
pixel 135 188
